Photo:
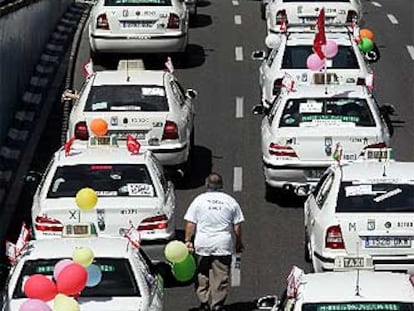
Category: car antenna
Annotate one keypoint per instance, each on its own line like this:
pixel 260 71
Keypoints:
pixel 384 172
pixel 127 72
pixel 357 288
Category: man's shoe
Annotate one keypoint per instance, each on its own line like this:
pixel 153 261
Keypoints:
pixel 204 307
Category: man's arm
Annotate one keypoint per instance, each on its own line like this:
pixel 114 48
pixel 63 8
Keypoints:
pixel 238 234
pixel 189 232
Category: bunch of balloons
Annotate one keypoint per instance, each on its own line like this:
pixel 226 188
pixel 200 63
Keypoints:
pixel 86 199
pixel 329 50
pixel 71 277
pixel 183 263
pixel 366 40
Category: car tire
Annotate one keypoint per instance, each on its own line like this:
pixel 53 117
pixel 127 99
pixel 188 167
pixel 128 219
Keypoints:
pixel 307 254
pixel 270 193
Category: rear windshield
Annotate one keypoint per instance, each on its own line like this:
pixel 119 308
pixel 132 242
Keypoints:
pixel 105 179
pixel 117 277
pixel 296 55
pixel 359 306
pixel 137 2
pixel 326 111
pixel 375 198
pixel 127 98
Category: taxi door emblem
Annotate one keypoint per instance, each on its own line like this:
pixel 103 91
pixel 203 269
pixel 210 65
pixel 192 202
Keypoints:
pixel 371 224
pixel 387 225
pixel 125 13
pixel 114 120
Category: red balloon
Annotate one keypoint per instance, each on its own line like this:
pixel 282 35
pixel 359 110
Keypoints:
pixel 72 279
pixel 40 287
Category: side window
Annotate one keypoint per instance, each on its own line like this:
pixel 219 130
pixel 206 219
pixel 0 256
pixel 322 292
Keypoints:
pixel 159 171
pixel 273 110
pixel 177 91
pixel 271 58
pixel 46 173
pixel 324 191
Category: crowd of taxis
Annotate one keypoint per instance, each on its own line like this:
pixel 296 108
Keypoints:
pixel 324 136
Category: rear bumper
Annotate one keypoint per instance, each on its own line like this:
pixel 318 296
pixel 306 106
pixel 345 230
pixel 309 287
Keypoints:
pixel 176 154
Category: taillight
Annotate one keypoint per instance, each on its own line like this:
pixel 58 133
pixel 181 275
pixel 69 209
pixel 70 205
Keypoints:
pixel 281 17
pixel 170 130
pixel 43 223
pixel 173 21
pixel 282 151
pixel 352 17
pixel 81 131
pixel 360 81
pixel 334 238
pixel 102 22
pixel 153 223
pixel 277 86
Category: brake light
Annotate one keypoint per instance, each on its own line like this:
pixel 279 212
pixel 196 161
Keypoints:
pixel 334 238
pixel 376 146
pixel 173 21
pixel 102 22
pixel 352 17
pixel 154 223
pixel 43 223
pixel 81 131
pixel 277 86
pixel 360 81
pixel 281 17
pixel 282 151
pixel 170 130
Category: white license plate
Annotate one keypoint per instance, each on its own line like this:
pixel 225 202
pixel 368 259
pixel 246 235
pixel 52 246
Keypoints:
pixel 387 242
pixel 146 24
pixel 123 135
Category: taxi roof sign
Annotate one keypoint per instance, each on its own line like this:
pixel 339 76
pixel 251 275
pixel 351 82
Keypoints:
pixel 346 263
pixel 79 230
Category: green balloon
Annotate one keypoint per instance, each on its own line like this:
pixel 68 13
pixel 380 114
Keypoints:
pixel 184 271
pixel 366 45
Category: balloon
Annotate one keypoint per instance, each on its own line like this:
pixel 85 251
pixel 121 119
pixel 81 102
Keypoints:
pixel 65 303
pixel 366 45
pixel 313 62
pixel 330 49
pixel 34 305
pixel 83 256
pixel 86 198
pixel 40 287
pixel 184 271
pixel 59 266
pixel 366 33
pixel 175 251
pixel 99 127
pixel 72 279
pixel 94 275
pixel 273 41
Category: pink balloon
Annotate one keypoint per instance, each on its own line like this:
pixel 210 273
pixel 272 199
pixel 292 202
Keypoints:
pixel 313 62
pixel 330 49
pixel 59 266
pixel 34 305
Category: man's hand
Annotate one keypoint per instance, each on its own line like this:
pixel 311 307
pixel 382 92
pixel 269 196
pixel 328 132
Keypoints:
pixel 239 247
pixel 190 246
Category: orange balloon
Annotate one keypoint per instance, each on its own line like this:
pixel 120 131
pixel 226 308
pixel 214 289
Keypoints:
pixel 366 33
pixel 99 127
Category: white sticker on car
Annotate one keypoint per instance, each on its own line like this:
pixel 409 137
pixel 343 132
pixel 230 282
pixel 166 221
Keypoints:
pixel 310 107
pixel 352 191
pixel 99 106
pixel 153 91
pixel 140 189
pixel 387 195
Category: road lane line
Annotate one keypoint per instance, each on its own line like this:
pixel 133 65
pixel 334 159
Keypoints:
pixel 239 107
pixel 237 19
pixel 392 19
pixel 239 53
pixel 378 5
pixel 235 2
pixel 237 179
pixel 410 49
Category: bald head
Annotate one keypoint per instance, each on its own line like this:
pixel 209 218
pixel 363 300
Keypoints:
pixel 214 182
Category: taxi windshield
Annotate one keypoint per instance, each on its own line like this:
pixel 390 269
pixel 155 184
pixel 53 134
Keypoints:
pixel 136 2
pixel 296 55
pixel 358 306
pixel 326 111
pixel 126 98
pixel 375 198
pixel 117 277
pixel 105 179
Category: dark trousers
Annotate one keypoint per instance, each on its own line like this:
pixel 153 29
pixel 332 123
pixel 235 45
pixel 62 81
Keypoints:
pixel 213 273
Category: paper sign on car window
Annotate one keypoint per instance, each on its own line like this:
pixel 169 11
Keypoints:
pixel 310 107
pixel 100 106
pixel 140 189
pixel 153 91
pixel 352 191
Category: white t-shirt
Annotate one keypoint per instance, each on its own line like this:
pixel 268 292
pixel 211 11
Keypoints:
pixel 214 213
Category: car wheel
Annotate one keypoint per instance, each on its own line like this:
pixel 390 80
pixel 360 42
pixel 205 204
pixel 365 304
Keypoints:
pixel 307 254
pixel 270 193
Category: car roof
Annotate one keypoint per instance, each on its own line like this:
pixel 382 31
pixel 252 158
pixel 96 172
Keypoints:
pixel 63 248
pixel 341 287
pixel 318 90
pixel 136 77
pixel 394 170
pixel 306 38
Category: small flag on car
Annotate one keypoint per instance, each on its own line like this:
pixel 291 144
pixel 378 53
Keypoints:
pixel 169 65
pixel 68 145
pixel 283 27
pixel 87 69
pixel 320 38
pixel 132 144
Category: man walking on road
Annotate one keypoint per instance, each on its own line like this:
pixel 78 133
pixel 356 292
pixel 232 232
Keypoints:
pixel 214 217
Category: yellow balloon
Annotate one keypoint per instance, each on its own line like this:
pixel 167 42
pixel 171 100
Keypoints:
pixel 65 303
pixel 175 251
pixel 83 256
pixel 86 198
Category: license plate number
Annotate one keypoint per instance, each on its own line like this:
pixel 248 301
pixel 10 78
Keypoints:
pixel 387 242
pixel 136 24
pixel 136 135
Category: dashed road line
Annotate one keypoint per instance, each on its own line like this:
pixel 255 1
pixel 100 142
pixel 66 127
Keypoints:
pixel 378 5
pixel 237 19
pixel 392 19
pixel 235 2
pixel 410 49
pixel 239 53
pixel 237 179
pixel 239 107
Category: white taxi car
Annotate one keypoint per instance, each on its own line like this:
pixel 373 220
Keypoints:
pixel 131 189
pixel 138 26
pixel 288 55
pixel 307 126
pixel 305 12
pixel 365 211
pixel 129 282
pixel 344 291
pixel 151 105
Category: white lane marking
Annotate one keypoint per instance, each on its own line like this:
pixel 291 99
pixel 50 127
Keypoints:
pixel 235 2
pixel 239 53
pixel 378 5
pixel 237 19
pixel 392 19
pixel 239 107
pixel 237 179
pixel 410 49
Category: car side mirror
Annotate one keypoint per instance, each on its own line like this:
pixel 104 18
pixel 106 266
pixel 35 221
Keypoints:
pixel 258 109
pixel 267 303
pixel 33 178
pixel 372 56
pixel 190 93
pixel 387 109
pixel 258 55
pixel 164 269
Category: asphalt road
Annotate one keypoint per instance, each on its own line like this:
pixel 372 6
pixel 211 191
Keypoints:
pixel 228 135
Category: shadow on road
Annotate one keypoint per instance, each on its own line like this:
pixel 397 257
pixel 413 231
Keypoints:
pixel 203 3
pixel 238 306
pixel 202 20
pixel 284 198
